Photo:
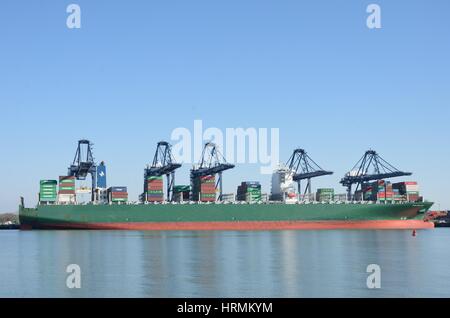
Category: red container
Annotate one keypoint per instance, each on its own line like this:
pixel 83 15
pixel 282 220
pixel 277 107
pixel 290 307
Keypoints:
pixel 61 178
pixel 385 194
pixel 119 194
pixel 66 192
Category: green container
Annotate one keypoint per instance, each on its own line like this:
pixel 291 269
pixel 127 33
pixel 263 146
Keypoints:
pixel 47 193
pixel 67 188
pixel 208 195
pixel 181 188
pixel 329 190
pixel 67 181
pixel 42 182
pixel 47 197
pixel 154 178
pixel 155 192
pixel 48 188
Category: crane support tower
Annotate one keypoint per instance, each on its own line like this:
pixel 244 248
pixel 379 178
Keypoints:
pixel 211 163
pixel 84 164
pixel 362 171
pixel 305 169
pixel 163 165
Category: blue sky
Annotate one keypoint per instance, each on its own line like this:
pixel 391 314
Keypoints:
pixel 138 69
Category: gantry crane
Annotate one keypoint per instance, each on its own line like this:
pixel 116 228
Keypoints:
pixel 211 163
pixel 305 169
pixel 163 164
pixel 361 172
pixel 84 164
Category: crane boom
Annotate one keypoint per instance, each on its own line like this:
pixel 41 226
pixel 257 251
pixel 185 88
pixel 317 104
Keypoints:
pixel 163 165
pixel 211 163
pixel 84 164
pixel 305 168
pixel 362 172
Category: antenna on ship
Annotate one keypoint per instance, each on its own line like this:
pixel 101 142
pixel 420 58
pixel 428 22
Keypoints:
pixel 212 163
pixel 163 165
pixel 362 171
pixel 305 169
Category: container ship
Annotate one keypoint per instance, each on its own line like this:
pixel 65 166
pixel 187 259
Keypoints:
pixel 375 203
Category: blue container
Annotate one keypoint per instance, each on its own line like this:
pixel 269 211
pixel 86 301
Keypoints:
pixel 251 184
pixel 118 189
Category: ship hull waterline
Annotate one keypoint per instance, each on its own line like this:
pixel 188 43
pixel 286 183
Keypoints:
pixel 221 217
pixel 241 226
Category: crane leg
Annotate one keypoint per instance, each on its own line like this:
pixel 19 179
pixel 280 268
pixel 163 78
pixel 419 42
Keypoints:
pixel 220 185
pixel 309 189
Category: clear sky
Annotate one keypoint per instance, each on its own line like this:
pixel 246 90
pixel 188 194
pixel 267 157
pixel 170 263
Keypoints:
pixel 138 69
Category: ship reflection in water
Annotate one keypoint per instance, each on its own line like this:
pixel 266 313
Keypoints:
pixel 225 264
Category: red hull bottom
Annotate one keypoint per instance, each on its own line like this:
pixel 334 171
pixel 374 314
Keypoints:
pixel 245 226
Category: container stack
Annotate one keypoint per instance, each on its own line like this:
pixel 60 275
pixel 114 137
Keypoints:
pixel 154 187
pixel 101 195
pixel 408 190
pixel 228 197
pixel 381 190
pixel 47 191
pixel 341 197
pixel 326 194
pixel 181 193
pixel 264 197
pixel 66 191
pixel 117 195
pixel 397 196
pixel 249 191
pixel 204 189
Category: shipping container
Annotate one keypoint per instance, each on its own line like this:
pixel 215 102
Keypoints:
pixel 47 190
pixel 117 189
pixel 117 194
pixel 249 191
pixel 325 194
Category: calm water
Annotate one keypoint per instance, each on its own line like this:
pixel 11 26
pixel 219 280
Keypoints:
pixel 225 264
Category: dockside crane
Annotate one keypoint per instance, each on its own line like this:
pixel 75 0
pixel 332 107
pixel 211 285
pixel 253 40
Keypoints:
pixel 362 171
pixel 84 164
pixel 163 165
pixel 305 169
pixel 211 163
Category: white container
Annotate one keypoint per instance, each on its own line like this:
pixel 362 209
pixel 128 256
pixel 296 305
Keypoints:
pixel 229 197
pixel 412 188
pixel 66 198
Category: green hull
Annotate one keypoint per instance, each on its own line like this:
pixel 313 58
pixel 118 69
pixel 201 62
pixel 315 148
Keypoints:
pixel 111 216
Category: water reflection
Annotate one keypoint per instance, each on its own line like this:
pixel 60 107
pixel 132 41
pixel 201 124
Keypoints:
pixel 224 264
